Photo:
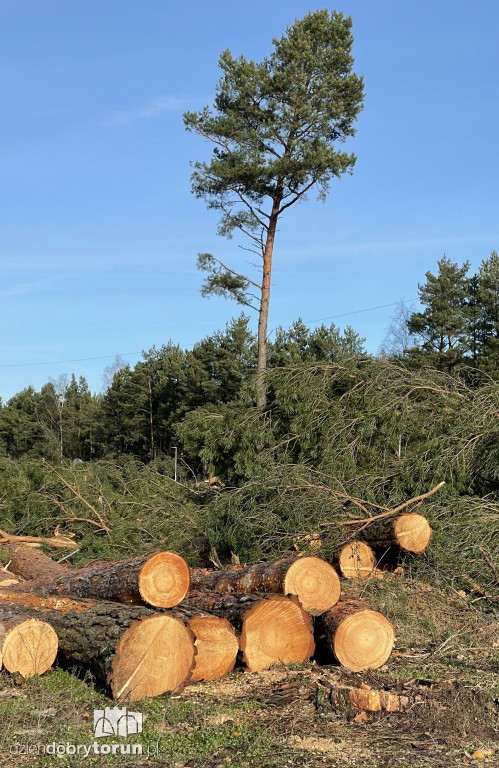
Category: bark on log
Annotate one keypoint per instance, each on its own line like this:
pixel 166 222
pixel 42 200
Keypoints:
pixel 30 563
pixel 313 581
pixel 27 645
pixel 359 637
pixel 136 651
pixel 356 560
pixel 274 629
pixel 409 531
pixel 161 580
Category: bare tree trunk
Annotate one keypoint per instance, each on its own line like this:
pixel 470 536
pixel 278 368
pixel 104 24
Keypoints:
pixel 263 319
pixel 151 422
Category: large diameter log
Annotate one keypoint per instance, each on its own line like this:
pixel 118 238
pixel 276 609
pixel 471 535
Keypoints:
pixel 30 563
pixel 359 637
pixel 274 629
pixel 27 645
pixel 137 652
pixel 313 581
pixel 410 532
pixel 161 580
pixel 356 560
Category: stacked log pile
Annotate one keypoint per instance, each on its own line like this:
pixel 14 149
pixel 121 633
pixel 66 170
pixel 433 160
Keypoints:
pixel 147 625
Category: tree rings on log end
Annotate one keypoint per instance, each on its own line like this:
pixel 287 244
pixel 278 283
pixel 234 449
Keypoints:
pixel 154 655
pixel 29 648
pixel 164 580
pixel 276 630
pixel 364 640
pixel 216 646
pixel 413 532
pixel 314 582
pixel 356 560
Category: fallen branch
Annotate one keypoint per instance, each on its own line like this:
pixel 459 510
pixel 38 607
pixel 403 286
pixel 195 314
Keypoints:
pixel 396 510
pixel 57 541
pixel 79 496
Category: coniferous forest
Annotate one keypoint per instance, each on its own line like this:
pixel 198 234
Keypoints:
pixel 176 447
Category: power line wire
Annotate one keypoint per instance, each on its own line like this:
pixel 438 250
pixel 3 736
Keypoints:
pixel 128 354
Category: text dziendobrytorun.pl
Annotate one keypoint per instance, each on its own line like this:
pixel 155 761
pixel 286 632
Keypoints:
pixel 84 749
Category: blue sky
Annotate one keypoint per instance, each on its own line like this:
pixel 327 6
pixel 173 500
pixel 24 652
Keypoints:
pixel 99 231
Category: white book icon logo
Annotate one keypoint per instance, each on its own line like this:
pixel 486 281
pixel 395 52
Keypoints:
pixel 116 721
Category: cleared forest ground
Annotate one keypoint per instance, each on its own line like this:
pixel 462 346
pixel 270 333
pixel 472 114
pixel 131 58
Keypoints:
pixel 446 659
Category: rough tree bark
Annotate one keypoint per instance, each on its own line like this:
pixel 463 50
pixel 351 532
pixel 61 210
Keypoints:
pixel 161 580
pixel 313 581
pixel 134 650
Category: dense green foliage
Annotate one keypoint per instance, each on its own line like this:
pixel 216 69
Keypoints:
pixel 343 434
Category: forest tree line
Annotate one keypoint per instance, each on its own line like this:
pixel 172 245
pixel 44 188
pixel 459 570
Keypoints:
pixel 178 397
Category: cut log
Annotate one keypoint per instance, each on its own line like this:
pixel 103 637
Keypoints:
pixel 217 647
pixel 161 580
pixel 356 560
pixel 31 563
pixel 344 699
pixel 215 641
pixel 137 652
pixel 313 581
pixel 410 532
pixel 359 637
pixel 274 629
pixel 7 579
pixel 27 645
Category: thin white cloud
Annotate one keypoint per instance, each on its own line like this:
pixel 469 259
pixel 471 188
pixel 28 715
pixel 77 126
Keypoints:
pixel 152 109
pixel 24 289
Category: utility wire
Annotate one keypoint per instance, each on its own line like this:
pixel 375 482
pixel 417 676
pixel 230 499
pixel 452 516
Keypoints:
pixel 127 354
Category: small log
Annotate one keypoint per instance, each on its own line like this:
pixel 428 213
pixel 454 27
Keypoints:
pixel 409 531
pixel 356 635
pixel 7 579
pixel 57 541
pixel 215 641
pixel 161 580
pixel 135 651
pixel 274 629
pixel 356 560
pixel 313 581
pixel 30 563
pixel 216 645
pixel 27 645
pixel 349 700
